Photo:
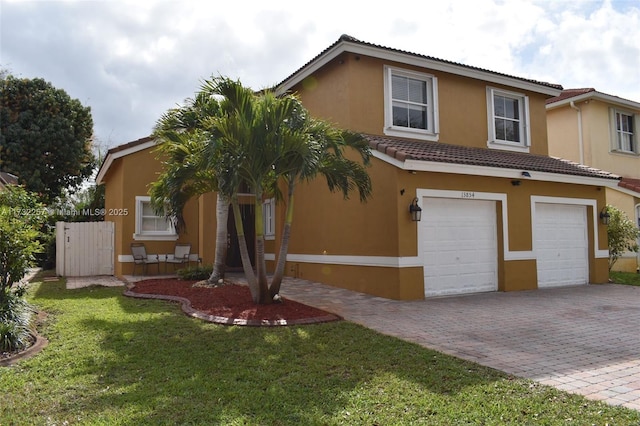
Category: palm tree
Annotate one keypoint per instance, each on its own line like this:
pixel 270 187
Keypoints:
pixel 188 172
pixel 265 141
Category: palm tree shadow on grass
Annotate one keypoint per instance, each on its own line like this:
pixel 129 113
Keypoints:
pixel 170 368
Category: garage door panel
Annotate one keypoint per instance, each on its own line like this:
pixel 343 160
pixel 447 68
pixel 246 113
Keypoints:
pixel 459 246
pixel 561 243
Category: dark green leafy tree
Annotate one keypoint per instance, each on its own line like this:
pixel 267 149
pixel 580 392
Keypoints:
pixel 45 136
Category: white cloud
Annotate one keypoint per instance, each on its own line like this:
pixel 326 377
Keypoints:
pixel 132 60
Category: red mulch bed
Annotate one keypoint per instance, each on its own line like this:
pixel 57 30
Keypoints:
pixel 228 304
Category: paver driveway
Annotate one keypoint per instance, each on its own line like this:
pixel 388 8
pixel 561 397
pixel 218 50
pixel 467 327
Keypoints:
pixel 584 339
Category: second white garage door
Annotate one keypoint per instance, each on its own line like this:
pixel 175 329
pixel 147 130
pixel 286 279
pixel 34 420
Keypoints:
pixel 459 246
pixel 561 245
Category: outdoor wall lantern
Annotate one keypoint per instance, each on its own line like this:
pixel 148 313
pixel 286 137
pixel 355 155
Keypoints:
pixel 415 210
pixel 605 216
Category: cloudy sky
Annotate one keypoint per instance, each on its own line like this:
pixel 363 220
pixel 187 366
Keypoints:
pixel 132 60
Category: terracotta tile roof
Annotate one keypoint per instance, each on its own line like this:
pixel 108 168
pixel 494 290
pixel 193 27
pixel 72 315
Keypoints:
pixel 130 144
pixel 630 183
pixel 404 149
pixel 570 93
pixel 350 39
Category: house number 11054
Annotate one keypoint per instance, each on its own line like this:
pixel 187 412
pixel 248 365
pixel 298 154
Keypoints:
pixel 468 194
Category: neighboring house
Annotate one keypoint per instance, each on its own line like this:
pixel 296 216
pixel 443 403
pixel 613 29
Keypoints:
pixel 601 131
pixel 466 145
pixel 7 179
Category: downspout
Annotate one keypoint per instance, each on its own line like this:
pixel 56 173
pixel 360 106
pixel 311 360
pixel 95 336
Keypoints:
pixel 580 140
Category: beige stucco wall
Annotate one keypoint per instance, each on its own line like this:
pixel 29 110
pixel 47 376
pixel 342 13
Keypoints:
pixel 596 133
pixel 563 134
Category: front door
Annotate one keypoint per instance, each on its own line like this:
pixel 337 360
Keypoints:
pixel 234 261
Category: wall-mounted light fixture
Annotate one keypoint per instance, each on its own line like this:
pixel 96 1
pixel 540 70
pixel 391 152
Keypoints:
pixel 605 216
pixel 526 174
pixel 415 210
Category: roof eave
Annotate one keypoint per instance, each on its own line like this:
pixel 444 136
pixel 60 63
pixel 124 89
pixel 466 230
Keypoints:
pixel 500 172
pixel 409 59
pixel 595 96
pixel 115 153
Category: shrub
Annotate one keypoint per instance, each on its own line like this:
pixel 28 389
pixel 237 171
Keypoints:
pixel 15 322
pixel 21 223
pixel 195 272
pixel 622 234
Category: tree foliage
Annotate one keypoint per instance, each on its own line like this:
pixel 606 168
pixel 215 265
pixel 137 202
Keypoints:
pixel 230 137
pixel 623 235
pixel 21 220
pixel 45 136
pixel 268 142
pixel 187 156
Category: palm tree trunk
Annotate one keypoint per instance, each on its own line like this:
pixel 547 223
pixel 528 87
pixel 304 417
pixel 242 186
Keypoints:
pixel 278 274
pixel 261 266
pixel 244 252
pixel 222 216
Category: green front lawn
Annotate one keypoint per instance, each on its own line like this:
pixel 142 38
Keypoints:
pixel 629 278
pixel 122 361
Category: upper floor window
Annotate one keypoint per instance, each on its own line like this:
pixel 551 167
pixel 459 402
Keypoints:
pixel 626 139
pixel 508 120
pixel 411 104
pixel 149 225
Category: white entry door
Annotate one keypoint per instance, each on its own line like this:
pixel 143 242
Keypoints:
pixel 458 240
pixel 561 244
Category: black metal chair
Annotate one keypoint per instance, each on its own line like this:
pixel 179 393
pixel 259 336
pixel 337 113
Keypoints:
pixel 180 255
pixel 140 257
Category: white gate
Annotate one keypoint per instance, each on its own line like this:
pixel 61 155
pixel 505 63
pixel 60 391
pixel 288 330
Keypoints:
pixel 84 248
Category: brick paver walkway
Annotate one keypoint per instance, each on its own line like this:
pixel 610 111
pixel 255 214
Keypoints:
pixel 584 340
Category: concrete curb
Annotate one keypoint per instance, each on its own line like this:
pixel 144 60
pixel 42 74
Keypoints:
pixel 31 351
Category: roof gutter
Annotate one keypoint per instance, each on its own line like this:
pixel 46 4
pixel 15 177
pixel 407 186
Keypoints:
pixel 580 138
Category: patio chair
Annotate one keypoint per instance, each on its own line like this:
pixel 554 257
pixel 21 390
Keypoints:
pixel 180 255
pixel 141 258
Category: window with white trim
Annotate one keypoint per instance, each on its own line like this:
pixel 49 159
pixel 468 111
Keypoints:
pixel 624 128
pixel 149 225
pixel 411 104
pixel 269 218
pixel 508 120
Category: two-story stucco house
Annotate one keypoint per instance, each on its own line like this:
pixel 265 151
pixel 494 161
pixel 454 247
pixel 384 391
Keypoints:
pixel 601 131
pixel 467 146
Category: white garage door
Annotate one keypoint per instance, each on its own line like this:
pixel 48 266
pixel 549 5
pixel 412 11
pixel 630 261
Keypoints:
pixel 561 245
pixel 459 246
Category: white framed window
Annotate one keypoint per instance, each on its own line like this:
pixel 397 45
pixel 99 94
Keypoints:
pixel 624 131
pixel 410 104
pixel 150 226
pixel 508 120
pixel 269 218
